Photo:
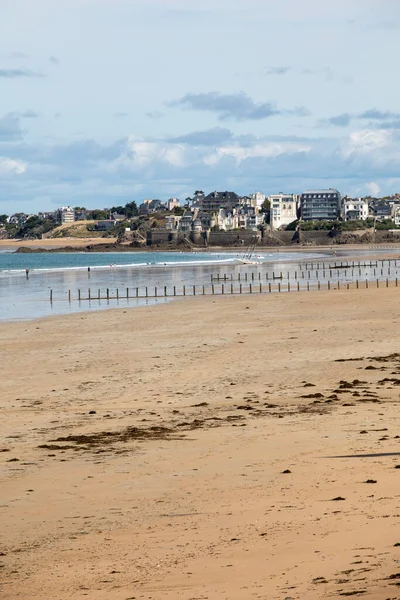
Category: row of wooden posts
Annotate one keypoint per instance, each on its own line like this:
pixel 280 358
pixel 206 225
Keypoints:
pixel 218 290
pixel 347 264
pixel 253 276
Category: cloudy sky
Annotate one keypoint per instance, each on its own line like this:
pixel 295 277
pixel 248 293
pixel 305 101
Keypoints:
pixel 107 101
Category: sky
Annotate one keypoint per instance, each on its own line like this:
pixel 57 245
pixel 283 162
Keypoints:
pixel 107 101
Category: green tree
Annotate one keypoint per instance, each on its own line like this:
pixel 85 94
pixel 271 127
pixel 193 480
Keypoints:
pixel 178 211
pixel 266 209
pixel 3 219
pixel 99 214
pixel 131 210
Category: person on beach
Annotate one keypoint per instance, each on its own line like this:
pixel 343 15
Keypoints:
pixel 27 273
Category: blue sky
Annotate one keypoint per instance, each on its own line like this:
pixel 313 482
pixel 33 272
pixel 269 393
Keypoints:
pixel 107 101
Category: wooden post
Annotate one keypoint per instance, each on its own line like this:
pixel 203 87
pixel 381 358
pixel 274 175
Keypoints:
pixel 117 294
pixel 240 288
pixel 366 283
pixel 127 293
pixel 288 286
pixel 269 288
pixel 174 290
pixel 377 283
pixel 319 285
pixel 298 286
pixel 147 293
pixel 137 292
pixel 194 290
pixel 165 291
pixel 245 276
pixel 295 274
pixel 69 295
pixel 222 289
pixel 279 286
pixel 232 288
pixel 251 291
pixel 338 284
pixel 329 285
pixel 212 289
pixel 89 294
pixel 252 276
pixel 204 291
pixel 184 290
pixel 396 281
pixel 260 288
pixel 308 286
pixel 108 294
pixel 51 296
pixel 79 295
pixel 98 294
pixel 357 283
pixel 387 282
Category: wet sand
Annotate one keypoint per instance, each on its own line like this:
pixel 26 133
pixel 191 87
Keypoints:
pixel 243 447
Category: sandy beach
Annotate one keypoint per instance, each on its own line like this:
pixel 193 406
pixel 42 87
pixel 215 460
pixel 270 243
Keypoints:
pixel 54 242
pixel 210 448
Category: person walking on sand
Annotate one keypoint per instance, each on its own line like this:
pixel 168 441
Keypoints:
pixel 27 273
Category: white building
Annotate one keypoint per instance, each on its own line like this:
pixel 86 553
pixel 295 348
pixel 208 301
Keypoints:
pixel 355 209
pixel 67 215
pixel 283 209
pixel 172 203
pixel 257 199
pixel 396 215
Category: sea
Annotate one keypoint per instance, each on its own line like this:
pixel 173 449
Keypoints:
pixel 28 279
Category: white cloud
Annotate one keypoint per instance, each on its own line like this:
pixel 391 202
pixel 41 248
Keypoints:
pixel 366 141
pixel 140 154
pixel 372 188
pixel 8 165
pixel 258 150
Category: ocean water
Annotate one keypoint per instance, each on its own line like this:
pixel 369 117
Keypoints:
pixel 27 297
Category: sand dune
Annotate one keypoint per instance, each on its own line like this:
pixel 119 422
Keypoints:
pixel 237 448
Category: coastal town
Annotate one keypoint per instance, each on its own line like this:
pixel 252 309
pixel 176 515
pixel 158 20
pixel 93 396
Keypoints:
pixel 200 215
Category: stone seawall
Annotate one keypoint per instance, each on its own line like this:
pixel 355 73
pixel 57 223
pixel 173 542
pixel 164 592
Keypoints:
pixel 160 237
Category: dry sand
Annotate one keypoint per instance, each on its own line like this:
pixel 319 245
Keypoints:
pixel 175 488
pixel 55 242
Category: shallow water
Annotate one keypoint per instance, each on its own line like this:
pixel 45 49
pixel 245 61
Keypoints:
pixel 23 297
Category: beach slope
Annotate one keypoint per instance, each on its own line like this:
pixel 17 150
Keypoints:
pixel 211 448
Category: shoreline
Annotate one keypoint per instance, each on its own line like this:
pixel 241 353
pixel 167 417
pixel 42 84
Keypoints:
pixel 240 448
pixel 89 244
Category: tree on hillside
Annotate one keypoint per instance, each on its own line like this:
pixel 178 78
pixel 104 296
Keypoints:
pixel 3 219
pixel 266 209
pixel 131 210
pixel 98 214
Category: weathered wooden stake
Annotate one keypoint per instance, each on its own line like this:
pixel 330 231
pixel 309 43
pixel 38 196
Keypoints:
pixel 69 295
pixel 79 295
pixel 51 296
